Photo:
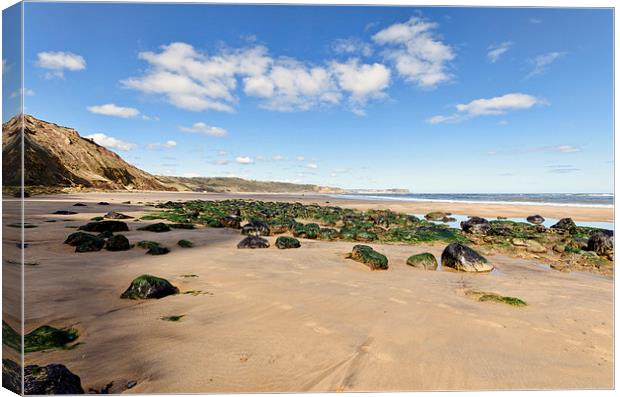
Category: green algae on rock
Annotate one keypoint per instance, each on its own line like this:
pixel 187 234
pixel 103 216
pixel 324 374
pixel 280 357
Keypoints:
pixel 147 286
pixel 369 257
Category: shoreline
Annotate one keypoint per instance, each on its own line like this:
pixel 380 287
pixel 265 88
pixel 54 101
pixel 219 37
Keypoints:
pixel 513 210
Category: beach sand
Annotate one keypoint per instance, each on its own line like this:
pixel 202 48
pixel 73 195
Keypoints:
pixel 309 319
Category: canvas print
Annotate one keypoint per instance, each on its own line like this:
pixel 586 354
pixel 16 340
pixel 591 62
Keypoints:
pixel 234 198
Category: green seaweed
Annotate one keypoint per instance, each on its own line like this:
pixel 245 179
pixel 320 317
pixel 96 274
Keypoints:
pixel 47 337
pixel 10 337
pixel 174 317
pixel 185 244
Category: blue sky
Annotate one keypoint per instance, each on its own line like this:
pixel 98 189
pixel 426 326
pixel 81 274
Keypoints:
pixel 428 99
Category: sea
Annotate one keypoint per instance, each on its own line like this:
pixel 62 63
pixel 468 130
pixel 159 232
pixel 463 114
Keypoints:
pixel 594 200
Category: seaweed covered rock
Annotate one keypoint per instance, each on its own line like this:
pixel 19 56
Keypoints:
pixel 535 219
pixel 253 242
pixel 424 261
pixel 326 233
pixel 47 337
pixel 62 212
pixel 11 376
pixel 462 258
pixel 78 238
pixel 51 379
pixel 117 243
pixel 255 228
pixel 565 224
pixel 365 236
pixel 436 215
pixel 284 242
pixel 309 230
pixel 532 246
pixel 476 225
pixel 159 227
pixel 185 226
pixel 149 287
pixel 231 221
pixel 105 226
pixel 602 243
pixel 147 244
pixel 185 244
pixel 79 205
pixel 157 250
pixel 116 215
pixel 369 257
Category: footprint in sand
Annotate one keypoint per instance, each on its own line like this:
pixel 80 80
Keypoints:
pixel 317 328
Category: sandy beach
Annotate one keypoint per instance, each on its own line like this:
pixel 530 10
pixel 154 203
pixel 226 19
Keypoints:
pixel 308 319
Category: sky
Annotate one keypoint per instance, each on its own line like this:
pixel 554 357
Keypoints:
pixel 427 99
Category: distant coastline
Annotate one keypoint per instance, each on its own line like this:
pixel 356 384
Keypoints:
pixel 588 200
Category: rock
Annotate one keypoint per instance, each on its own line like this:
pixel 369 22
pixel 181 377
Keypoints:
pixel 103 203
pixel 62 212
pixel 149 287
pixel 116 215
pixel 157 250
pixel 476 225
pixel 231 221
pixel 559 248
pixel 117 243
pixel 562 267
pixel 185 244
pixel 326 233
pixel 255 228
pixel 448 219
pixel 602 243
pixel 253 242
pixel 309 230
pixel 530 245
pixel 51 379
pixel 78 238
pixel 436 215
pixel 519 242
pixel 159 227
pixel 103 226
pixel 186 226
pixel 284 242
pixel 462 258
pixel 11 376
pixel 147 244
pixel 424 261
pixel 79 205
pixel 85 242
pixel 565 224
pixel 535 219
pixel 369 257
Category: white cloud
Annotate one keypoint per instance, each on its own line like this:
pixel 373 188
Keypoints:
pixel 416 51
pixel 542 62
pixel 197 81
pixel 277 158
pixel 22 91
pixel 110 142
pixel 362 81
pixel 202 128
pixel 567 149
pixel 300 158
pixel 488 107
pixel 219 162
pixel 58 62
pixel 535 20
pixel 496 51
pixel 312 166
pixel 352 46
pixel 166 145
pixel 110 109
pixel 5 66
pixel 244 160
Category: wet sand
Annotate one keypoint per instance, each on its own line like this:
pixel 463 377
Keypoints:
pixel 306 319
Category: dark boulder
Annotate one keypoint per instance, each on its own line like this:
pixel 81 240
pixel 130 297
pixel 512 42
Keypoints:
pixel 424 261
pixel 369 257
pixel 105 226
pixel 284 242
pixel 103 203
pixel 602 243
pixel 117 243
pixel 565 224
pixel 157 250
pixel 253 242
pixel 78 238
pixel 476 225
pixel 85 242
pixel 185 244
pixel 186 226
pixel 79 205
pixel 326 233
pixel 255 228
pixel 159 227
pixel 63 212
pixel 11 376
pixel 535 219
pixel 149 287
pixel 462 258
pixel 116 215
pixel 51 379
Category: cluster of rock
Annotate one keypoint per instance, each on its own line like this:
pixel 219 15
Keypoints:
pixel 106 239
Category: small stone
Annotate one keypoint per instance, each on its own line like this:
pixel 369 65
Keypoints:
pixel 159 227
pixel 253 242
pixel 284 242
pixel 149 287
pixel 117 243
pixel 424 261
